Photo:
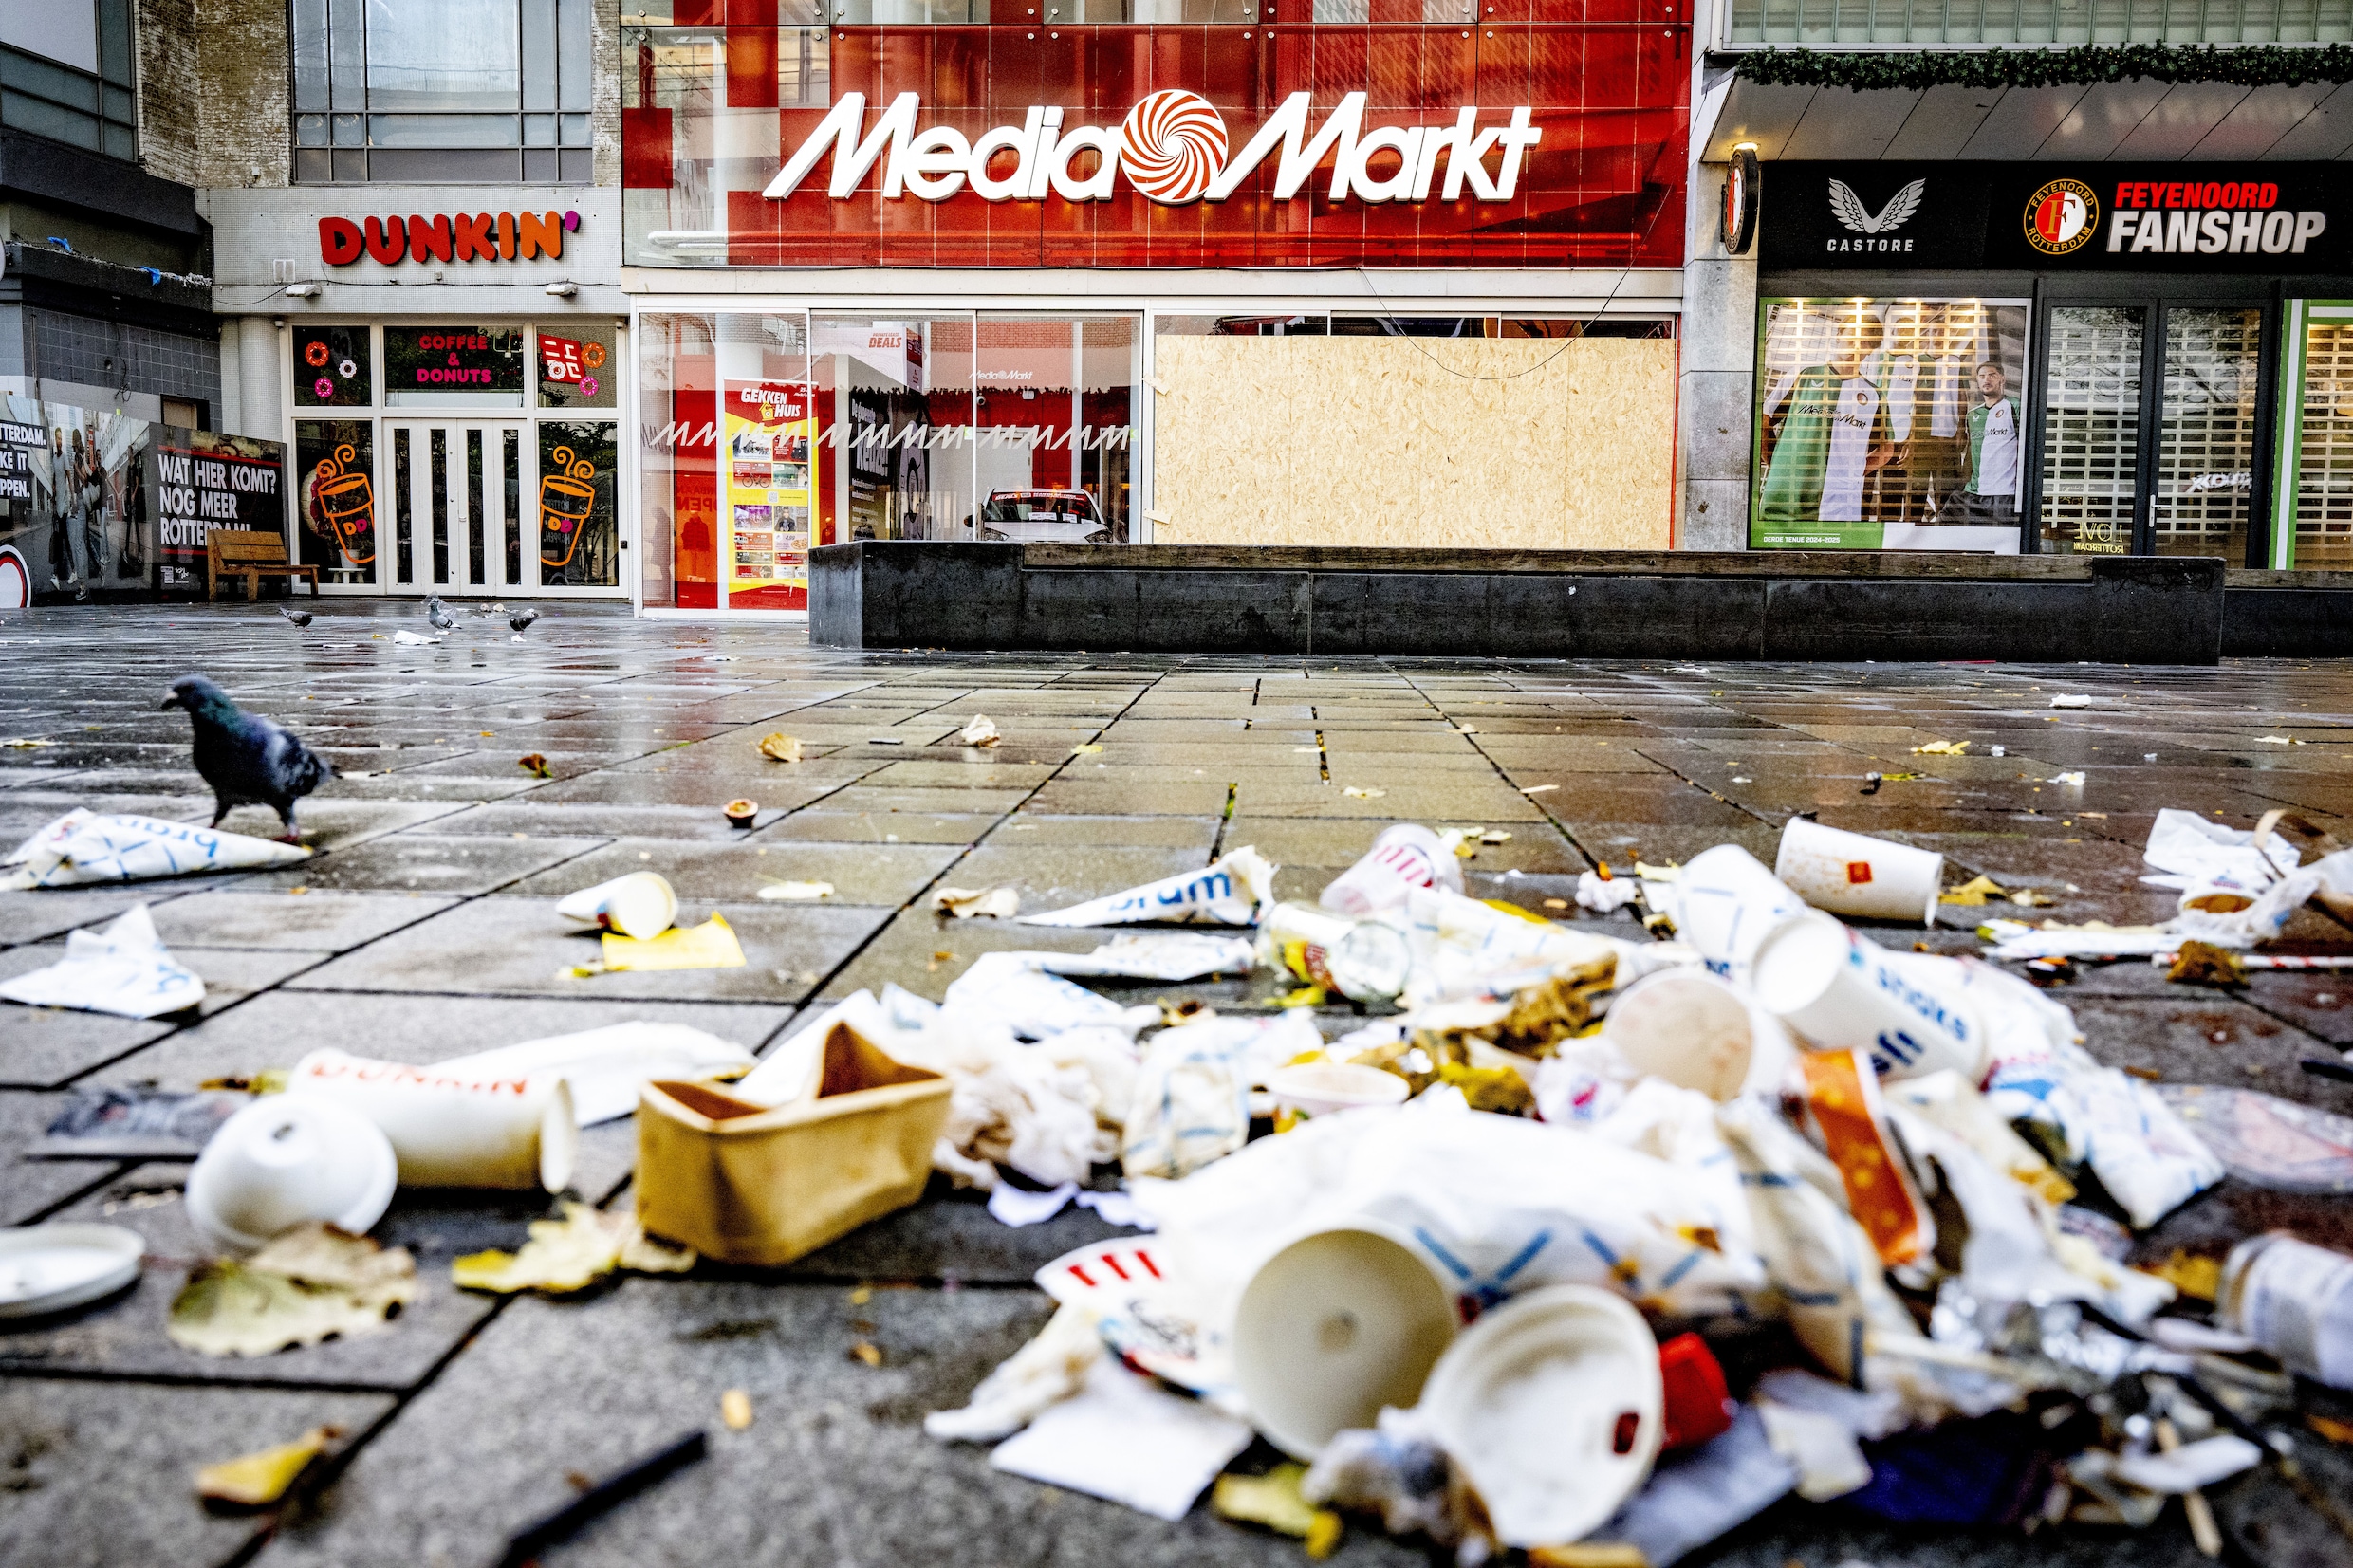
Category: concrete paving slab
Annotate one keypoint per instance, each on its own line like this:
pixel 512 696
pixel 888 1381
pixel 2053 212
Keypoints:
pixel 888 874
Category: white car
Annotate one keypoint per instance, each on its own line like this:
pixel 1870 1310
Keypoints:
pixel 1043 517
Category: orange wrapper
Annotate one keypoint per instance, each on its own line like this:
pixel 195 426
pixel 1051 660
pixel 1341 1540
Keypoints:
pixel 1843 1093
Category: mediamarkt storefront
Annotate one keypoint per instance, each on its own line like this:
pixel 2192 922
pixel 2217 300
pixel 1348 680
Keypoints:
pixel 1266 280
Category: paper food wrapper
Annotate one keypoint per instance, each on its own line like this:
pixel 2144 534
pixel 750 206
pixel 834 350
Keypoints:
pixel 1171 956
pixel 124 970
pixel 1230 892
pixel 708 946
pixel 454 1129
pixel 1842 1092
pixel 763 1186
pixel 82 847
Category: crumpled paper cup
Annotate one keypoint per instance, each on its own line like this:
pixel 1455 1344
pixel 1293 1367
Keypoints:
pixel 1405 856
pixel 454 1129
pixel 642 904
pixel 1696 1032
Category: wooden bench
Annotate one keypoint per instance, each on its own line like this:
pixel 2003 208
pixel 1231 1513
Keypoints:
pixel 252 554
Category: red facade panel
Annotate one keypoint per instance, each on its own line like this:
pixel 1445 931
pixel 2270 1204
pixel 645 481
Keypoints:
pixel 1603 84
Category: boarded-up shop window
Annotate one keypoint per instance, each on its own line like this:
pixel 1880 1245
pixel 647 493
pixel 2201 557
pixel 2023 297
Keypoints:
pixel 1467 433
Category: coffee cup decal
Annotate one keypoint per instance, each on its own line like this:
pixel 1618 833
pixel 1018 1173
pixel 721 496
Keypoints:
pixel 347 501
pixel 565 499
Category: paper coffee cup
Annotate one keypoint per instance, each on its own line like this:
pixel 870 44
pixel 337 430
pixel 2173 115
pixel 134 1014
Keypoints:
pixel 1696 1032
pixel 449 1130
pixel 1856 875
pixel 1405 856
pixel 641 904
pixel 284 1160
pixel 1841 991
pixel 1726 903
pixel 1552 1407
pixel 1363 960
pixel 1315 1089
pixel 1332 1328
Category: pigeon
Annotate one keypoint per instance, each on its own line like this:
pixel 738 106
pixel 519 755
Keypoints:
pixel 247 760
pixel 438 615
pixel 520 622
pixel 300 617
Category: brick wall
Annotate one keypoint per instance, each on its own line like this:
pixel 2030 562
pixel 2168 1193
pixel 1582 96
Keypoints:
pixel 169 89
pixel 244 135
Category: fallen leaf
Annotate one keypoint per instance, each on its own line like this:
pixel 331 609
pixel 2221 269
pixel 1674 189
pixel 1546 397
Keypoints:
pixel 1356 793
pixel 796 892
pixel 1275 1500
pixel 1086 750
pixel 258 1479
pixel 781 747
pixel 1972 893
pixel 534 764
pixel 1941 749
pixel 867 1352
pixel 966 903
pixel 308 1285
pixel 570 1254
pixel 735 1410
pixel 861 1295
pixel 980 729
pixel 2203 963
pixel 2336 1431
pixel 18 743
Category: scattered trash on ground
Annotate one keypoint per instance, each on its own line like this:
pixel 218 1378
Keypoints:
pixel 535 765
pixel 288 1160
pixel 1231 892
pixel 779 747
pixel 796 892
pixel 735 1410
pixel 82 847
pixel 971 903
pixel 1941 749
pixel 978 731
pixel 2071 699
pixel 124 970
pixel 708 946
pixel 527 1545
pixel 57 1267
pixel 643 904
pixel 108 1122
pixel 741 813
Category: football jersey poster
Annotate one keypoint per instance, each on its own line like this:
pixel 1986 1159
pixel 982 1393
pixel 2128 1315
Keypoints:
pixel 1888 424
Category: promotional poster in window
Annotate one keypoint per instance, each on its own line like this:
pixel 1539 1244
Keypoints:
pixel 1888 424
pixel 95 504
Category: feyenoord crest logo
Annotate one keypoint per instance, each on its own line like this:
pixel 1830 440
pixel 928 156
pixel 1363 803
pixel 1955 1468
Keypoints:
pixel 2060 216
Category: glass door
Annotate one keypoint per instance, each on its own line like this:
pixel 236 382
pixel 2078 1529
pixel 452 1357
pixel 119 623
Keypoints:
pixel 457 491
pixel 2205 491
pixel 2091 429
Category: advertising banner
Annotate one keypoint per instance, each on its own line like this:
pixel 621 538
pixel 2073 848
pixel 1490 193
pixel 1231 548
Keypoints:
pixel 95 501
pixel 1888 424
pixel 2252 220
pixel 768 431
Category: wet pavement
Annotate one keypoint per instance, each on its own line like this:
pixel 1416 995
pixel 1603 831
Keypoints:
pixel 425 930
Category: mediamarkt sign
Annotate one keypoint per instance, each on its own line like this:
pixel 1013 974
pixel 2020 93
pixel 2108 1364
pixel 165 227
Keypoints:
pixel 1172 148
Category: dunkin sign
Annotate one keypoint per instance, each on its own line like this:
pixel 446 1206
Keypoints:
pixel 1173 148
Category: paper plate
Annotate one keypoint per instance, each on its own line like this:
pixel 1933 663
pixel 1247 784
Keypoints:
pixel 50 1268
pixel 1552 1407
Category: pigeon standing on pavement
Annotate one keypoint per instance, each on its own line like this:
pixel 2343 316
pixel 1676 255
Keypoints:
pixel 438 615
pixel 247 760
pixel 520 622
pixel 300 617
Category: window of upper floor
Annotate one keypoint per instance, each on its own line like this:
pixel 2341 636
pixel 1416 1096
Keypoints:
pixel 441 91
pixel 65 73
pixel 1935 24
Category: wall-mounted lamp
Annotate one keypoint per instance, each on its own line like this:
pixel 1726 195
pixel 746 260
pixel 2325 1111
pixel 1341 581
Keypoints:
pixel 301 292
pixel 563 290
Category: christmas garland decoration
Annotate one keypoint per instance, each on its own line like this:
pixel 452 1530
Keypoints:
pixel 2241 65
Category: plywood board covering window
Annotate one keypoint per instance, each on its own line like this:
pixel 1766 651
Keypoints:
pixel 1390 441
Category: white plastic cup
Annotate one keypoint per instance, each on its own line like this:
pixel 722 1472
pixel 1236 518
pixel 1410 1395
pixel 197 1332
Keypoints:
pixel 1405 856
pixel 1841 991
pixel 1554 1407
pixel 1726 903
pixel 1696 1032
pixel 642 904
pixel 1857 875
pixel 286 1159
pixel 1363 960
pixel 1315 1089
pixel 451 1131
pixel 1332 1328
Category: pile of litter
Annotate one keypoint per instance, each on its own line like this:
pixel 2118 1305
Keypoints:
pixel 1466 1265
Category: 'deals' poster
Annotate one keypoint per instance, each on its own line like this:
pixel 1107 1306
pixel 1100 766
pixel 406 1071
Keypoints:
pixel 766 430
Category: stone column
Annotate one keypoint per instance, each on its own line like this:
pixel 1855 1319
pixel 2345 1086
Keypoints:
pixel 1718 372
